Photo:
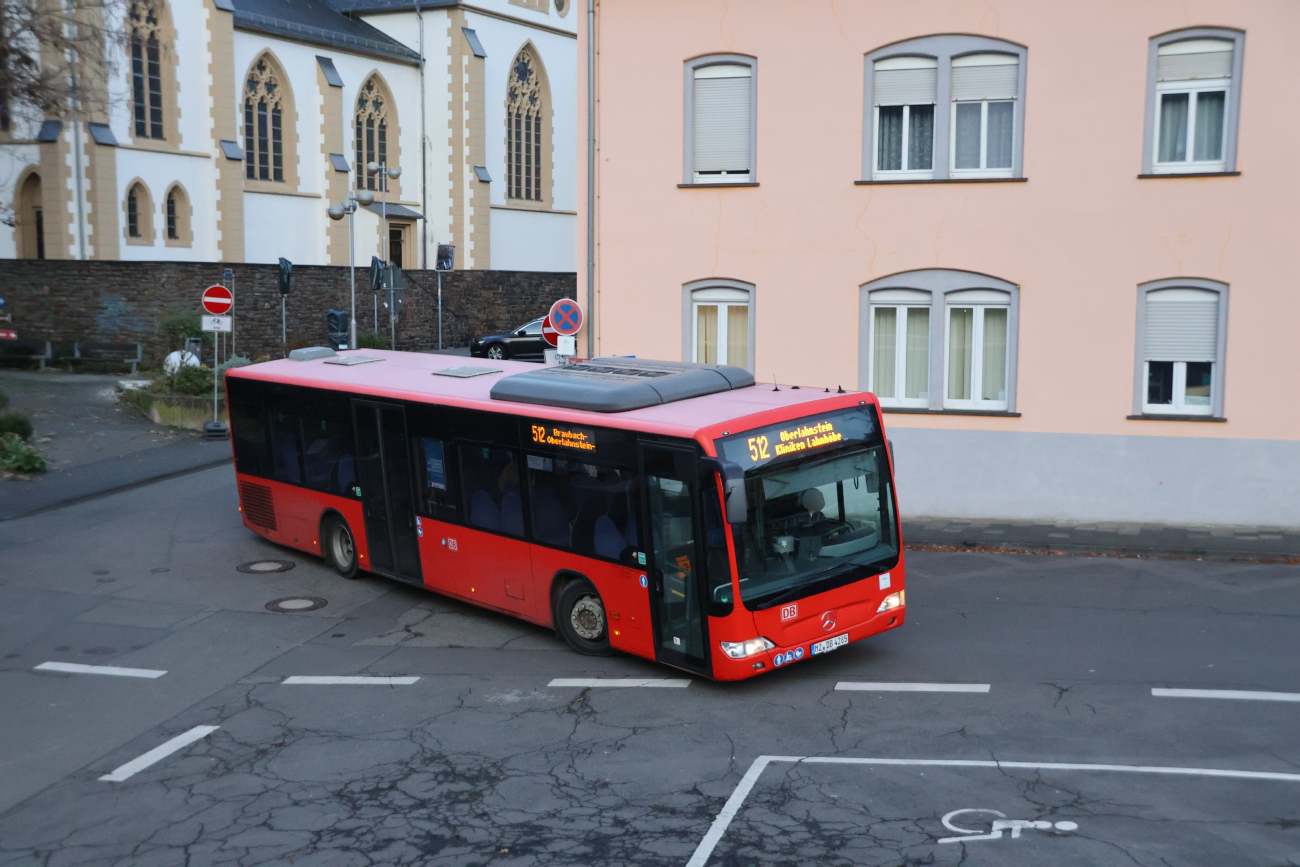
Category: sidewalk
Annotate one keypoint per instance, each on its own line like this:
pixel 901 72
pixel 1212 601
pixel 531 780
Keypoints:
pixel 1205 542
pixel 94 444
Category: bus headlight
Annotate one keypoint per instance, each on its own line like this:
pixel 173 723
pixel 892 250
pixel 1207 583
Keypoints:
pixel 893 600
pixel 741 649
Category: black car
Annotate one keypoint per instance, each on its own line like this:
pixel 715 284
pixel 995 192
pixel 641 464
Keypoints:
pixel 525 342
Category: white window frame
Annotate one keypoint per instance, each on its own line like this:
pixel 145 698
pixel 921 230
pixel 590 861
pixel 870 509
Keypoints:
pixel 1156 90
pixel 1193 89
pixel 1179 408
pixel 980 300
pixel 944 288
pixel 721 293
pixel 980 172
pixel 902 301
pixel 907 172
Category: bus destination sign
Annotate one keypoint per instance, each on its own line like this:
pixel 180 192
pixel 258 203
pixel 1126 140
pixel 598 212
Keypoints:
pixel 578 439
pixel 805 435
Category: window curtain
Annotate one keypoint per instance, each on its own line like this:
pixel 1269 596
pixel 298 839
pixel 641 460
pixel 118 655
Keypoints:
pixel 961 347
pixel 706 334
pixel 920 137
pixel 1173 127
pixel 1207 138
pixel 738 335
pixel 885 351
pixel 917 371
pixel 994 361
pixel 890 146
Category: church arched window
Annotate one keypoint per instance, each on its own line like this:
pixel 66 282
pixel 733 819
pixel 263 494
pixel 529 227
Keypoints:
pixel 265 116
pixel 527 127
pixel 374 118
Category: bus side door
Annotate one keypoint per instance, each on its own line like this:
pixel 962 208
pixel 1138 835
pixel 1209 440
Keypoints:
pixel 676 596
pixel 387 497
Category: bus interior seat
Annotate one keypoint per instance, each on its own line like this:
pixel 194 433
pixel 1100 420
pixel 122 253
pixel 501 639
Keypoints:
pixel 344 474
pixel 483 512
pixel 549 522
pixel 584 526
pixel 608 541
pixel 512 514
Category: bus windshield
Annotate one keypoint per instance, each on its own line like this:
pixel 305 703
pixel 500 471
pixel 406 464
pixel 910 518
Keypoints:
pixel 821 507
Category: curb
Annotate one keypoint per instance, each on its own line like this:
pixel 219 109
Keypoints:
pixel 117 489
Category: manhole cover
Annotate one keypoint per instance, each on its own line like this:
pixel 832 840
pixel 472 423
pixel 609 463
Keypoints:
pixel 295 603
pixel 158 570
pixel 257 567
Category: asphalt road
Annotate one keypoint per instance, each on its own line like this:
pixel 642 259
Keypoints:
pixel 1068 758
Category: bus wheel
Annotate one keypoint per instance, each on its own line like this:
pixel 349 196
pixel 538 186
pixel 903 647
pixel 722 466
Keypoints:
pixel 580 616
pixel 340 547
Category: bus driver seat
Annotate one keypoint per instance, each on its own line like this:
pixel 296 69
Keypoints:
pixel 813 502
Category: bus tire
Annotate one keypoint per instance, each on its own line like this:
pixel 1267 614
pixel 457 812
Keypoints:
pixel 340 547
pixel 580 618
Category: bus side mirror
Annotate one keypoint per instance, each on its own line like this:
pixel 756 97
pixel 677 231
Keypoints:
pixel 733 487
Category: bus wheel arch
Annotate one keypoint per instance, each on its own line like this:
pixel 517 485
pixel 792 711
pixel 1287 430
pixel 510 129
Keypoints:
pixel 338 544
pixel 578 613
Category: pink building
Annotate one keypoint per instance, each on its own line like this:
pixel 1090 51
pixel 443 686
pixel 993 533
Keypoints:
pixel 1050 237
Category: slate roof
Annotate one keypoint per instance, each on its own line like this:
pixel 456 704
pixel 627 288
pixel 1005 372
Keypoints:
pixel 355 6
pixel 319 23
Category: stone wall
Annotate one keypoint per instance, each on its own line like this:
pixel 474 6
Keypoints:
pixel 66 301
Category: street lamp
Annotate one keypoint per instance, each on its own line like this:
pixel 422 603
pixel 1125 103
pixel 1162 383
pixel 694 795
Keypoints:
pixel 385 172
pixel 337 212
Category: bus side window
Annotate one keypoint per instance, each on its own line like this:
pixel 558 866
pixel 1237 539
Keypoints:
pixel 286 448
pixel 588 508
pixel 438 494
pixel 490 487
pixel 327 454
pixel 248 427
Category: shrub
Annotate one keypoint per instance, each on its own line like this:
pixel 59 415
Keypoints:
pixel 261 358
pixel 180 324
pixel 371 340
pixel 17 424
pixel 193 380
pixel 18 457
pixel 4 400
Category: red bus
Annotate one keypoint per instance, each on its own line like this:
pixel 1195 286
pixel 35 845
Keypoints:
pixel 673 511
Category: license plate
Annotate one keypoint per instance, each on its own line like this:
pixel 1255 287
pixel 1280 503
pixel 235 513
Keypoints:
pixel 830 644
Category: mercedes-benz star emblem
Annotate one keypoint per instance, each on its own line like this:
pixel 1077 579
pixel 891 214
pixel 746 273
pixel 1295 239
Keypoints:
pixel 828 621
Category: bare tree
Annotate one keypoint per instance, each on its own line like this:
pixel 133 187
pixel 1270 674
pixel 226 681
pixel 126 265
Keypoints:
pixel 57 57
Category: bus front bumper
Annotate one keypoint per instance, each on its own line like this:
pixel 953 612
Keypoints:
pixel 726 668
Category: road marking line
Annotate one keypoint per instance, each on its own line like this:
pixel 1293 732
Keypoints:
pixel 747 782
pixel 78 668
pixel 1248 694
pixel 911 687
pixel 620 682
pixel 157 754
pixel 366 681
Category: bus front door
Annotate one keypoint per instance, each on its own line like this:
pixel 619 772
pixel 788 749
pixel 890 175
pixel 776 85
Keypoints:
pixel 384 472
pixel 676 601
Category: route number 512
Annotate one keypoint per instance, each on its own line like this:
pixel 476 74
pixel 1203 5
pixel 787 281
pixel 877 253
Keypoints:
pixel 758 449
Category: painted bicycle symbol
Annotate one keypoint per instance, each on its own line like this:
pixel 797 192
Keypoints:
pixel 1000 825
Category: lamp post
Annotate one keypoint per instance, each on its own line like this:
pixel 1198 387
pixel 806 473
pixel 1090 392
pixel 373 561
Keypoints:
pixel 336 212
pixel 385 172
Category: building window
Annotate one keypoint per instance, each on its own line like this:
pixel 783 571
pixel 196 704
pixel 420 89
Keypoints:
pixel 371 133
pixel 139 214
pixel 905 90
pixel 177 209
pixel 718 325
pixel 900 354
pixel 1181 330
pixel 721 107
pixel 264 123
pixel 1193 96
pixel 938 340
pixel 30 221
pixel 975 343
pixel 146 70
pixel 527 128
pixel 947 107
pixel 984 88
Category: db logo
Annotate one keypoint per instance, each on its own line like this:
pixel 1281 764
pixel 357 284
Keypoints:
pixel 790 612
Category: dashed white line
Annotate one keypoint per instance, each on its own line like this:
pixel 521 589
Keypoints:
pixel 115 671
pixel 862 686
pixel 157 754
pixel 1246 694
pixel 585 682
pixel 363 681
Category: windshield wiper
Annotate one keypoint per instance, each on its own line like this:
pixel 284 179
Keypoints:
pixel 811 578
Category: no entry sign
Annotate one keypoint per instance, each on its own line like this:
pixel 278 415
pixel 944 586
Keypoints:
pixel 565 316
pixel 217 300
pixel 549 334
